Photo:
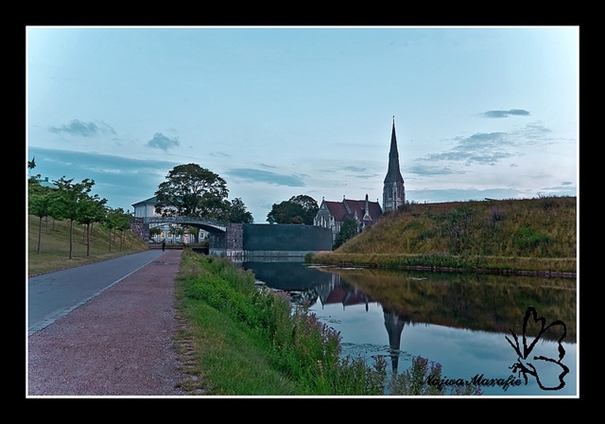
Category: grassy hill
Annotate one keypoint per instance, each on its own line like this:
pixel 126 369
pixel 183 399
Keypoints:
pixel 532 234
pixel 54 246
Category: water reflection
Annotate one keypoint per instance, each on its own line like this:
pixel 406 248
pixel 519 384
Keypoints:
pixel 459 320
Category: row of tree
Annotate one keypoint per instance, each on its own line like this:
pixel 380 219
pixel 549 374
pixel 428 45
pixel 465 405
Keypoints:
pixel 74 202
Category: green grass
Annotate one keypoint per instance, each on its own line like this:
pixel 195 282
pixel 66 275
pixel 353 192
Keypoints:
pixel 54 246
pixel 536 235
pixel 229 360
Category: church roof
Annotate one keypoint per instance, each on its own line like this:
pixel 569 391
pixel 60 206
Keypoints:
pixel 337 210
pixel 352 208
pixel 358 207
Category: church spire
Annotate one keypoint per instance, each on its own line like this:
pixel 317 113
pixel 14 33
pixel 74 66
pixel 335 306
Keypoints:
pixel 393 173
pixel 393 192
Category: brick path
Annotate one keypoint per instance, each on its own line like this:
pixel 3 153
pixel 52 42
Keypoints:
pixel 117 344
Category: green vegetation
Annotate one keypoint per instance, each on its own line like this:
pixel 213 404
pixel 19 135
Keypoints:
pixel 533 235
pixel 299 209
pixel 348 230
pixel 73 203
pixel 89 244
pixel 245 340
pixel 190 190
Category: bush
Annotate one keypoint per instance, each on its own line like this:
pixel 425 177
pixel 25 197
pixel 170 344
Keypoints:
pixel 424 378
pixel 528 240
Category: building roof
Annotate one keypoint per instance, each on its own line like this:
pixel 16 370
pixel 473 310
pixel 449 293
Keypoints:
pixel 151 200
pixel 337 210
pixel 46 183
pixel 358 207
pixel 353 208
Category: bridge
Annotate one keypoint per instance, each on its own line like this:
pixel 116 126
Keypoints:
pixel 210 225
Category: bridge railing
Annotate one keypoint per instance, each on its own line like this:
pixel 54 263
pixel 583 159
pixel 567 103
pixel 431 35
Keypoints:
pixel 184 220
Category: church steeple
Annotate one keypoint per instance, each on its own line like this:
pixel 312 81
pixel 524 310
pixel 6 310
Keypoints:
pixel 393 194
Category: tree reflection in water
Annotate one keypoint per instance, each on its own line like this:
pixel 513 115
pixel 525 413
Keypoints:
pixel 477 302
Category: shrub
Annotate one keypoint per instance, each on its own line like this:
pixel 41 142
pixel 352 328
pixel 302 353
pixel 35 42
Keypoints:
pixel 527 240
pixel 424 378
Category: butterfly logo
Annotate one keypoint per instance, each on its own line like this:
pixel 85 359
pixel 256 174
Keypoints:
pixel 541 367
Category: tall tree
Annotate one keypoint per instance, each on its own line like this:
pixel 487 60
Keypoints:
pixel 39 203
pixel 117 220
pixel 190 190
pixel 69 195
pixel 348 229
pixel 299 209
pixel 91 209
pixel 239 213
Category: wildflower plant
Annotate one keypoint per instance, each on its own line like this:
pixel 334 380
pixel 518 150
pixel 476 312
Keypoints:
pixel 424 378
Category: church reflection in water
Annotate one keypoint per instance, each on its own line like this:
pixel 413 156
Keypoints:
pixel 308 285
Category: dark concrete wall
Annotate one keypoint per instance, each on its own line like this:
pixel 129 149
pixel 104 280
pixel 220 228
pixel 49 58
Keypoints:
pixel 286 237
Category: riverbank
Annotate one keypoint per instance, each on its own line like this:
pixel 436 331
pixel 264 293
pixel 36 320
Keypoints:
pixel 544 267
pixel 512 236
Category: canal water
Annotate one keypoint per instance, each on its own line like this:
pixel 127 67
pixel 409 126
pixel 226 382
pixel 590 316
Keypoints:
pixel 514 334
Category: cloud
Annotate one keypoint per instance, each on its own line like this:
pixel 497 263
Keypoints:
pixel 83 129
pixel 219 154
pixel 432 170
pixel 359 172
pixel 160 141
pixel 452 195
pixel 479 148
pixel 535 132
pixel 257 175
pixel 355 169
pixel 505 113
pixel 122 181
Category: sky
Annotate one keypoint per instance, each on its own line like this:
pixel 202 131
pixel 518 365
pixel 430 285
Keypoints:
pixel 479 112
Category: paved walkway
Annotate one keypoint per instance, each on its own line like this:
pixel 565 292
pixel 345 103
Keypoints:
pixel 120 343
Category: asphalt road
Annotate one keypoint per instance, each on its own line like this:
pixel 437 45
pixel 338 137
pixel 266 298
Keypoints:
pixel 53 295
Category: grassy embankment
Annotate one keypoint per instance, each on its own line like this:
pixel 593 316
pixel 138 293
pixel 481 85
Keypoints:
pixel 506 236
pixel 242 340
pixel 54 246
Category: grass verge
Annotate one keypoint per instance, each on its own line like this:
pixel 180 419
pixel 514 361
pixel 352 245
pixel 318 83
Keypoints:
pixel 564 267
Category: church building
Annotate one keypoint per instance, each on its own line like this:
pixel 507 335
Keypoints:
pixel 332 214
pixel 365 213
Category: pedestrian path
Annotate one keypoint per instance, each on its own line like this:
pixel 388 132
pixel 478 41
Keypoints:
pixel 119 343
